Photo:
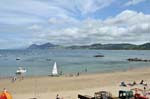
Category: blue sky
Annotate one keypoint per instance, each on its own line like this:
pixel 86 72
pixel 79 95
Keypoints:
pixel 73 22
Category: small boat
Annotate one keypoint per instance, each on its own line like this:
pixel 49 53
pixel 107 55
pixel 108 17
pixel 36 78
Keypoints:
pixel 21 70
pixel 18 58
pixel 48 59
pixel 98 55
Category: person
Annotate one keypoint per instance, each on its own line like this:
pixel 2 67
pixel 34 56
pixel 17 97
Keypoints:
pixel 134 83
pixel 78 74
pixel 85 69
pixel 22 77
pixel 4 90
pixel 142 82
pixel 144 91
pixel 123 84
pixel 14 79
pixel 57 96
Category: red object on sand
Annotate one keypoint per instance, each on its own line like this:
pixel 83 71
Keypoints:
pixel 3 96
pixel 138 96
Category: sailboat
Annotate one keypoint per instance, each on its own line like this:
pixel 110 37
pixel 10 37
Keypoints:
pixel 55 70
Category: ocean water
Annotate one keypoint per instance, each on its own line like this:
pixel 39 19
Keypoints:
pixel 40 62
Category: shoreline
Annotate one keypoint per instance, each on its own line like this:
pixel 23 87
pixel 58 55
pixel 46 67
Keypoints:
pixel 69 87
pixel 81 73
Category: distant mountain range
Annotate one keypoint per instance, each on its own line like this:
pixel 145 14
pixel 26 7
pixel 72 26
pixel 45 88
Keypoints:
pixel 122 46
pixel 42 46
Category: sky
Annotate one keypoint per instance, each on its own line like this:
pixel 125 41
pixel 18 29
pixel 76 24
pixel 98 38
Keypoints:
pixel 73 22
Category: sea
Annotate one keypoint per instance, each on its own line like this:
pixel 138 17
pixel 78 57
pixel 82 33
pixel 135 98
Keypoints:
pixel 40 62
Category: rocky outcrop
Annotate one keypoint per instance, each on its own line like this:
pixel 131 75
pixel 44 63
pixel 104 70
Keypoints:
pixel 138 60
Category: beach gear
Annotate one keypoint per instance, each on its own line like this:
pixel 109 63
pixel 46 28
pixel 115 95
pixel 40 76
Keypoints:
pixel 103 95
pixel 137 90
pixel 125 94
pixel 85 97
pixel 139 93
pixel 97 95
pixel 138 96
pixel 5 95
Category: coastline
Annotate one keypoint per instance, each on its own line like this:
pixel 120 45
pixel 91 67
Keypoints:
pixel 69 87
pixel 81 73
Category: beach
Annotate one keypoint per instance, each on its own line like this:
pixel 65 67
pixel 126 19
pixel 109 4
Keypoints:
pixel 45 87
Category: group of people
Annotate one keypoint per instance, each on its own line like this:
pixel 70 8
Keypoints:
pixel 19 77
pixel 142 82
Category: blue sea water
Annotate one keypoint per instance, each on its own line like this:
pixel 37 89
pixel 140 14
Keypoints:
pixel 40 62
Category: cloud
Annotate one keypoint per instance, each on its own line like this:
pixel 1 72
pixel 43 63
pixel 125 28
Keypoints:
pixel 128 26
pixel 71 22
pixel 60 20
pixel 90 6
pixel 134 2
pixel 37 11
pixel 81 6
pixel 34 27
pixel 128 17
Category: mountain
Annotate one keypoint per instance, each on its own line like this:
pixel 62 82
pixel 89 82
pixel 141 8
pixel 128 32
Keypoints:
pixel 122 46
pixel 114 46
pixel 145 46
pixel 42 46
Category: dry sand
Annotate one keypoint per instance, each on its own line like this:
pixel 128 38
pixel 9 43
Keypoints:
pixel 69 87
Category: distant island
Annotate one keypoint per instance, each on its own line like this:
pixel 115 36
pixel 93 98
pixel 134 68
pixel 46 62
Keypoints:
pixel 122 46
pixel 42 46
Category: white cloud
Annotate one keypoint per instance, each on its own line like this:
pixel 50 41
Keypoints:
pixel 81 6
pixel 127 18
pixel 32 11
pixel 70 22
pixel 90 6
pixel 128 26
pixel 60 20
pixel 34 27
pixel 134 2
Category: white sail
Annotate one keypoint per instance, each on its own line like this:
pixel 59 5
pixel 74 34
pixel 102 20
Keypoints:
pixel 54 71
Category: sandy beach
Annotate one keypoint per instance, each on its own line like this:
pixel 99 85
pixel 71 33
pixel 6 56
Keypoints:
pixel 69 87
